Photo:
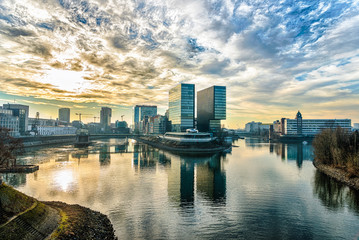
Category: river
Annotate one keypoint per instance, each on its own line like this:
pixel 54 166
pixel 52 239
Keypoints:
pixel 259 191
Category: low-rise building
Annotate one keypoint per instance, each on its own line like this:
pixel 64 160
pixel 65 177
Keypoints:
pixel 310 127
pixel 55 130
pixel 157 124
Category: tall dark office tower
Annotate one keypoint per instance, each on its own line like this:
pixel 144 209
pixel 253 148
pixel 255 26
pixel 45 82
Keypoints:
pixel 64 115
pixel 21 111
pixel 140 112
pixel 105 118
pixel 181 107
pixel 211 108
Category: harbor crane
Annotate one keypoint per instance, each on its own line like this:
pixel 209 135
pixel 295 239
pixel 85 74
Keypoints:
pixel 81 114
pixel 94 118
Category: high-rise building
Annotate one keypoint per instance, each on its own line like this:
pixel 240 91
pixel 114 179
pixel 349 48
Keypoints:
pixel 64 115
pixel 181 107
pixel 211 108
pixel 140 112
pixel 105 118
pixel 22 112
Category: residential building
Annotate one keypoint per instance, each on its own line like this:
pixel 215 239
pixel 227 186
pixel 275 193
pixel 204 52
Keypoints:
pixel 356 126
pixel 22 112
pixel 307 127
pixel 55 130
pixel 9 121
pixel 121 127
pixel 105 118
pixel 157 124
pixel 211 108
pixel 181 107
pixel 257 127
pixel 139 114
pixel 64 115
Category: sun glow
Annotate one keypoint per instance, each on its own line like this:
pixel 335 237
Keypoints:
pixel 66 80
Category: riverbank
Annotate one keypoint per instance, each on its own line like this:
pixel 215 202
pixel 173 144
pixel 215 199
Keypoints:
pixel 24 217
pixel 338 174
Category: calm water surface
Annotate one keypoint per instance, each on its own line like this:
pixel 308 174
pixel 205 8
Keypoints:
pixel 259 191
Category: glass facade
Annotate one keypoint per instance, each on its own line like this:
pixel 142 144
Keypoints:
pixel 219 102
pixel 64 115
pixel 211 108
pixel 22 112
pixel 181 107
pixel 140 112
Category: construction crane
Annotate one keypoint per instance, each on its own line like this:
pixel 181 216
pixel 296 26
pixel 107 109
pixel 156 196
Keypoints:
pixel 94 118
pixel 122 117
pixel 81 114
pixel 34 126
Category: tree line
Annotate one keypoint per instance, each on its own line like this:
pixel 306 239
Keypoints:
pixel 339 148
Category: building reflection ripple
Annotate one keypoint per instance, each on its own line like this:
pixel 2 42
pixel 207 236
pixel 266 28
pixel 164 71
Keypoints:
pixel 189 177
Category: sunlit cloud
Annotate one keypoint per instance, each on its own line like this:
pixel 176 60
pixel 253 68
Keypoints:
pixel 275 57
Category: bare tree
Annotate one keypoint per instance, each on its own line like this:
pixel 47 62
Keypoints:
pixel 9 148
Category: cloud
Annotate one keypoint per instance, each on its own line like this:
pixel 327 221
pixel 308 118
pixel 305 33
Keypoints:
pixel 273 56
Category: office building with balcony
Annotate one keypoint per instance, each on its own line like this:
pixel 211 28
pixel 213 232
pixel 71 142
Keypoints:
pixel 22 112
pixel 211 108
pixel 181 107
pixel 64 115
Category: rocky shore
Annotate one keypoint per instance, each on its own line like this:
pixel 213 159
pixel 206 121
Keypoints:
pixel 24 217
pixel 338 174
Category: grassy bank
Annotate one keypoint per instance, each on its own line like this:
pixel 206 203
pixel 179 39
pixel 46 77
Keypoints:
pixel 24 217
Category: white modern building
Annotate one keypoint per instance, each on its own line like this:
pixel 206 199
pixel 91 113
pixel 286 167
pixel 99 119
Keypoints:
pixel 257 127
pixel 300 126
pixel 55 130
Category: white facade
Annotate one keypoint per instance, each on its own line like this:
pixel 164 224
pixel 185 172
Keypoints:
pixel 252 127
pixel 314 126
pixel 50 130
pixel 7 120
pixel 256 127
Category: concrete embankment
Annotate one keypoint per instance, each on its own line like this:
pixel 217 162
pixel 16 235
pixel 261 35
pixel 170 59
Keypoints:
pixel 338 174
pixel 24 217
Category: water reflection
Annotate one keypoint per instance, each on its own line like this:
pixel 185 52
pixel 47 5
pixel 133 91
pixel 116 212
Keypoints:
pixel 105 155
pixel 298 151
pixel 334 195
pixel 153 194
pixel 186 174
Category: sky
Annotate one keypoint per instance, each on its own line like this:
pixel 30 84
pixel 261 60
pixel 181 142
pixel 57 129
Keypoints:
pixel 274 57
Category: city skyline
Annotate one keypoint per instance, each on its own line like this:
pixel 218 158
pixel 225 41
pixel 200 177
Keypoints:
pixel 274 57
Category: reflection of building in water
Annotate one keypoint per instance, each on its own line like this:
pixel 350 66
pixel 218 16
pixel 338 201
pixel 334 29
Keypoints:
pixel 14 179
pixel 295 152
pixel 185 174
pixel 205 173
pixel 211 179
pixel 121 148
pixel 105 154
pixel 65 157
pixel 143 157
pixel 82 154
